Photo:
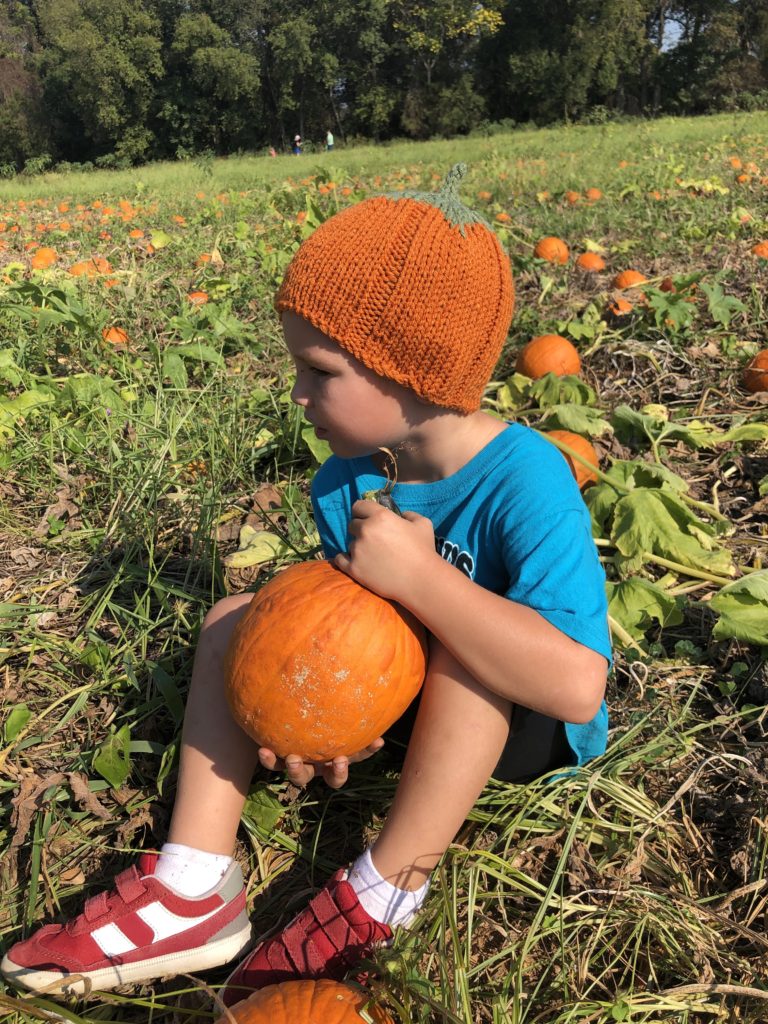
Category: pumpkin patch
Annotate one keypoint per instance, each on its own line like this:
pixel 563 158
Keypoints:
pixel 152 463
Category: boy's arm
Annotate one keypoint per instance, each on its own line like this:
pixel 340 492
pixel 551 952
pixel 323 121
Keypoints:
pixel 508 647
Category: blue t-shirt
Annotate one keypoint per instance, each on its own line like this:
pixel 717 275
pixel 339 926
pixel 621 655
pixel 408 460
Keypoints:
pixel 512 519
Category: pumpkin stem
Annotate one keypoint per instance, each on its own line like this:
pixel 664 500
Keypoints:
pixel 447 200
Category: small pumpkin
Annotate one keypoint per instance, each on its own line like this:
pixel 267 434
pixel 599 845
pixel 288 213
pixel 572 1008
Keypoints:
pixel 552 249
pixel 548 353
pixel 583 474
pixel 44 258
pixel 319 1001
pixel 619 308
pixel 590 263
pixel 755 376
pixel 629 279
pixel 115 336
pixel 320 666
pixel 760 249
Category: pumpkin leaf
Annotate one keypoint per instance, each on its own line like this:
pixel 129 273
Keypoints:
pixel 17 718
pixel 263 807
pixel 636 603
pixel 746 432
pixel 160 239
pixel 742 607
pixel 578 418
pixel 670 309
pixel 552 390
pixel 319 448
pixel 722 307
pixel 514 393
pixel 256 547
pixel 13 409
pixel 655 521
pixel 112 760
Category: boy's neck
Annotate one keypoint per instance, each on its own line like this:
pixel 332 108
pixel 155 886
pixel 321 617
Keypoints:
pixel 442 445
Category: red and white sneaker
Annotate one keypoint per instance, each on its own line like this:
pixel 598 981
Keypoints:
pixel 142 930
pixel 324 941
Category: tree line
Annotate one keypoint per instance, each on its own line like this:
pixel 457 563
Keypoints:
pixel 117 82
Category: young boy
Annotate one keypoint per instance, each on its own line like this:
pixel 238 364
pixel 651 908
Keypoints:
pixel 394 312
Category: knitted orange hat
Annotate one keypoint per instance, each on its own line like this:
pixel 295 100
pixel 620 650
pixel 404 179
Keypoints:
pixel 414 285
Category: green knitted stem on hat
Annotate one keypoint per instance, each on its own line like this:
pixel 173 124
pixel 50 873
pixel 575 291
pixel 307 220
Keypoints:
pixel 447 200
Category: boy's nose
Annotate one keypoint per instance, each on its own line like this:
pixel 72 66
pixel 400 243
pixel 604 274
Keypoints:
pixel 298 395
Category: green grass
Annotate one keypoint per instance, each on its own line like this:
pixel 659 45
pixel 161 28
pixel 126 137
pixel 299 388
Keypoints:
pixel 633 890
pixel 577 156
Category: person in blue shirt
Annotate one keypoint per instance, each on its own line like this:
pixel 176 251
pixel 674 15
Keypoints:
pixel 394 312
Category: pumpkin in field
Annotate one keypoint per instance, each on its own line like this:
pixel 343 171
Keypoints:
pixel 755 375
pixel 618 309
pixel 629 279
pixel 319 666
pixel 552 249
pixel 760 249
pixel 583 474
pixel 307 1002
pixel 590 262
pixel 44 258
pixel 548 353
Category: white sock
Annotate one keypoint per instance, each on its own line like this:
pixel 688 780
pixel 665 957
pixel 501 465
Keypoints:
pixel 383 901
pixel 189 871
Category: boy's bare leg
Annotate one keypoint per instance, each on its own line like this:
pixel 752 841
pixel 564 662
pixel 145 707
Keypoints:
pixel 460 731
pixel 217 758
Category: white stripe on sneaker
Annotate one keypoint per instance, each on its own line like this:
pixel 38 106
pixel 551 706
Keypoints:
pixel 112 941
pixel 165 924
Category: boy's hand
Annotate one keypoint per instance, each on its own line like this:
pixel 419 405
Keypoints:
pixel 387 553
pixel 335 772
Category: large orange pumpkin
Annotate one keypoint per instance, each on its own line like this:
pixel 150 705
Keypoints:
pixel 552 249
pixel 548 353
pixel 319 666
pixel 584 475
pixel 307 1002
pixel 755 375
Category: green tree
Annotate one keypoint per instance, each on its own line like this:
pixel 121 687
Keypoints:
pixel 438 42
pixel 211 92
pixel 562 57
pixel 23 124
pixel 99 65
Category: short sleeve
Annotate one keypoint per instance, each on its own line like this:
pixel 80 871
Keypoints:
pixel 332 507
pixel 554 568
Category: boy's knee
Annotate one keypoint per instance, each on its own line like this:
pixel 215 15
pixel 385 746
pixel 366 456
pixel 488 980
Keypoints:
pixel 220 621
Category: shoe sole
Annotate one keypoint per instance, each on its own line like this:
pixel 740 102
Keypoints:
pixel 214 954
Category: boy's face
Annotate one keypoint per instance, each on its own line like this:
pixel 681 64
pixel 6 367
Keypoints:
pixel 350 406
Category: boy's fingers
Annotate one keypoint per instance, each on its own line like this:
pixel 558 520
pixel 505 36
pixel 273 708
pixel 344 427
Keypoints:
pixel 269 759
pixel 298 772
pixel 336 774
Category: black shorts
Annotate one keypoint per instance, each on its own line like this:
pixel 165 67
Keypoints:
pixel 536 744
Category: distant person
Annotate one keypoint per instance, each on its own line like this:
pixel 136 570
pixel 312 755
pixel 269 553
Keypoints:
pixel 328 141
pixel 297 145
pixel 272 151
